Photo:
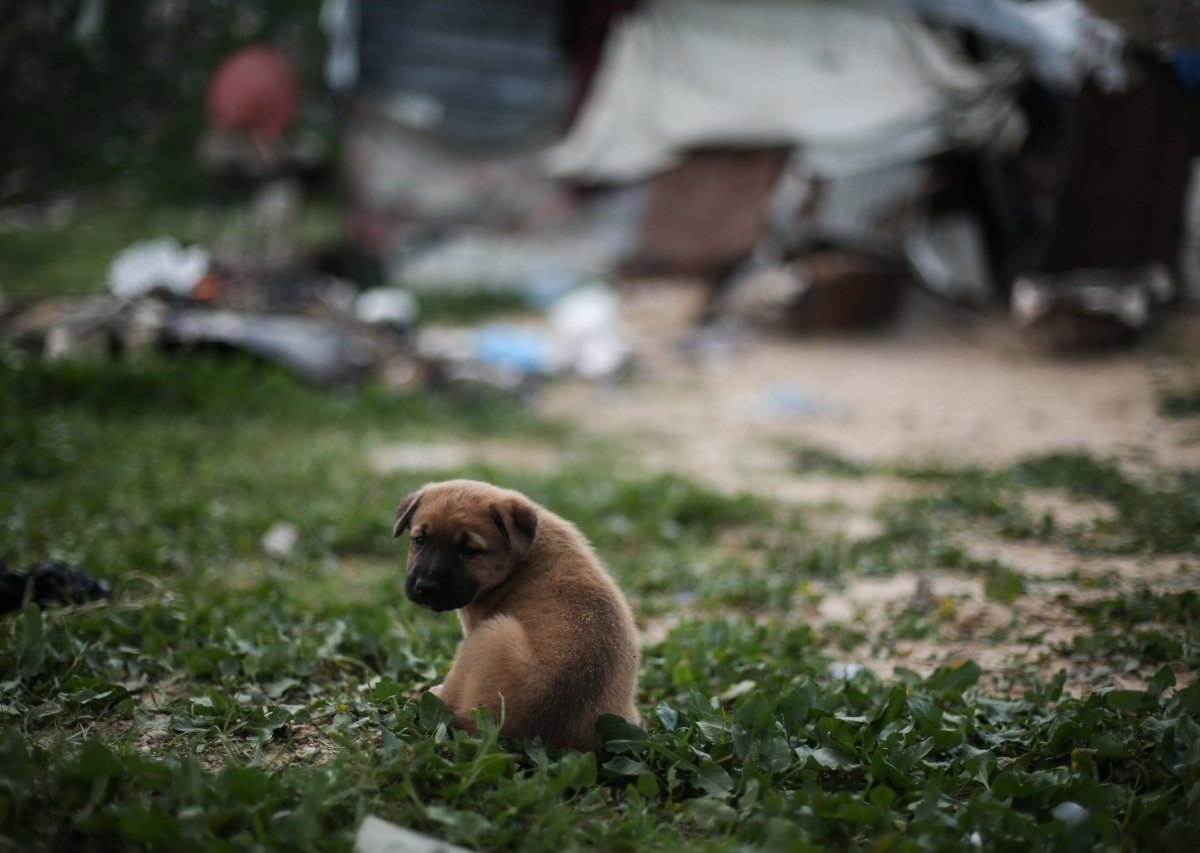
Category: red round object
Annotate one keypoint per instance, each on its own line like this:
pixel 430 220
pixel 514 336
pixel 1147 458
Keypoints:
pixel 256 91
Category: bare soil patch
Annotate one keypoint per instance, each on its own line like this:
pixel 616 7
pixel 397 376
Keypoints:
pixel 940 385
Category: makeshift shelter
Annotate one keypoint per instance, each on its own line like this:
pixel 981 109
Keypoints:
pixel 705 100
pixel 856 86
pixel 775 126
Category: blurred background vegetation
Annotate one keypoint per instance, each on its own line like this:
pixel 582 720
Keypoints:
pixel 93 92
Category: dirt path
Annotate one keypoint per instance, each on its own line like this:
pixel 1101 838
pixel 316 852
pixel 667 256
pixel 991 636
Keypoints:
pixel 937 386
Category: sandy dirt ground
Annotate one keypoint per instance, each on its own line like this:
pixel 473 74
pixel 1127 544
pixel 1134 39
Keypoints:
pixel 941 384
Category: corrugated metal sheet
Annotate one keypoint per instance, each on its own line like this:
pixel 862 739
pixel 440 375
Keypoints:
pixel 478 74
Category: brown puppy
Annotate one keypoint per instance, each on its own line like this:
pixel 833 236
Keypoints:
pixel 547 634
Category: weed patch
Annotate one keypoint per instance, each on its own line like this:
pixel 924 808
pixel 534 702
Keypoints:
pixel 466 307
pixel 1180 404
pixel 1160 517
pixel 1142 626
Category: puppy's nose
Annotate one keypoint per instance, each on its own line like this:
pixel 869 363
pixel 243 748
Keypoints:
pixel 424 585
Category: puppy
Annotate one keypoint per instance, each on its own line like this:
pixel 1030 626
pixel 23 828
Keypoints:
pixel 548 640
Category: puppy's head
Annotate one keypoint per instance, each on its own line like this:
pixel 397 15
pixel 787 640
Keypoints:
pixel 466 538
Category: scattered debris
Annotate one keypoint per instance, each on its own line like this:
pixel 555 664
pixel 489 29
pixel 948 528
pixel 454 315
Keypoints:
pixel 582 335
pixel 949 253
pixel 280 540
pixel 824 290
pixel 1070 813
pixel 586 328
pixel 392 306
pixel 1089 308
pixel 513 348
pixel 449 358
pixel 839 671
pixel 49 582
pixel 318 352
pixel 785 400
pixel 923 599
pixel 94 326
pixel 148 265
pixel 544 262
pixel 378 836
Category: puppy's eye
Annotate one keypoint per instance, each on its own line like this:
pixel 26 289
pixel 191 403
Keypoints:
pixel 418 541
pixel 469 551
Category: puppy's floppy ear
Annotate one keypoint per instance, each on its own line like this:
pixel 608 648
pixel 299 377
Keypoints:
pixel 517 520
pixel 404 513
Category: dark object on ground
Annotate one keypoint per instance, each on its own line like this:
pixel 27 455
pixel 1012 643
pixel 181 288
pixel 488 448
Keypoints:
pixel 1122 203
pixel 848 290
pixel 351 263
pixel 50 582
pixel 318 352
pixel 825 289
pixel 1089 309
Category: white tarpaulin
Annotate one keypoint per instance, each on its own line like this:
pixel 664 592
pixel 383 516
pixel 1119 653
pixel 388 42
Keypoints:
pixel 1062 40
pixel 858 87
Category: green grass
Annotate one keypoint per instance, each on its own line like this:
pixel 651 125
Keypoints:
pixel 466 307
pixel 226 700
pixel 1141 626
pixel 1180 404
pixel 1160 515
pixel 74 257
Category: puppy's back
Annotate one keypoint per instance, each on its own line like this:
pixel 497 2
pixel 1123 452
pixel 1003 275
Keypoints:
pixel 583 641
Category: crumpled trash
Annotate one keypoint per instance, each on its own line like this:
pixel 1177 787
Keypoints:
pixel 514 348
pixel 392 306
pixel 378 836
pixel 49 582
pixel 1089 308
pixel 317 352
pixel 1070 813
pixel 840 671
pixel 822 290
pixel 582 335
pixel 586 327
pixel 783 399
pixel 949 255
pixel 280 540
pixel 451 360
pixel 157 264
